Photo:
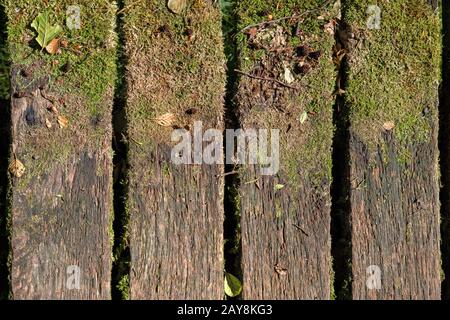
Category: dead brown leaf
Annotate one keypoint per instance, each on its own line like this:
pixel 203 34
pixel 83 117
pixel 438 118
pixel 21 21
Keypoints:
pixel 389 125
pixel 64 43
pixel 16 168
pixel 63 122
pixel 48 124
pixel 53 46
pixel 53 109
pixel 330 27
pixel 252 32
pixel 280 270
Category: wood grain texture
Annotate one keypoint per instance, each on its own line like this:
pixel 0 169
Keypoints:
pixel 395 222
pixel 62 204
pixel 394 173
pixel 286 241
pixel 175 68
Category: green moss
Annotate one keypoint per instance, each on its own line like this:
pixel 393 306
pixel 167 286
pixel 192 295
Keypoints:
pixel 306 149
pixel 4 73
pixel 185 73
pixel 82 74
pixel 166 169
pixel 394 72
pixel 124 287
pixel 332 276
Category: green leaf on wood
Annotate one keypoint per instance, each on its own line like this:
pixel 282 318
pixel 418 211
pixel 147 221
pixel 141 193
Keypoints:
pixel 233 286
pixel 303 117
pixel 46 31
pixel 278 187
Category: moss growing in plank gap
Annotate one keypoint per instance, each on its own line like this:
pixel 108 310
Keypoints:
pixel 232 232
pixel 120 277
pixel 340 187
pixel 396 82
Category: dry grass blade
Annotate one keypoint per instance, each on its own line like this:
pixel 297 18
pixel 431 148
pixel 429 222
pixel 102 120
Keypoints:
pixel 165 120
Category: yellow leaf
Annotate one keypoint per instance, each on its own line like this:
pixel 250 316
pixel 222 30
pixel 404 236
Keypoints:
pixel 63 122
pixel 17 168
pixel 48 124
pixel 177 6
pixel 53 109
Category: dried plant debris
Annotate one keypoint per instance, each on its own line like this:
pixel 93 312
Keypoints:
pixel 166 120
pixel 62 121
pixel 283 55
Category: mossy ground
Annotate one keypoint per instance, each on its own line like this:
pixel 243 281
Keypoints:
pixel 81 78
pixel 175 63
pixel 305 148
pixel 394 72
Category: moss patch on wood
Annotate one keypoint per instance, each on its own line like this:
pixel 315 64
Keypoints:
pixel 398 82
pixel 305 148
pixel 175 70
pixel 71 78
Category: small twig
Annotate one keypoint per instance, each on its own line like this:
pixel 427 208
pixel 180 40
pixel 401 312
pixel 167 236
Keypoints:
pixel 265 79
pixel 46 97
pixel 226 174
pixel 252 181
pixel 293 17
pixel 137 142
pixel 303 231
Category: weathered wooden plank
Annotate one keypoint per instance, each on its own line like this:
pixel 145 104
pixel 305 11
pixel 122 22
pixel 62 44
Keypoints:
pixel 175 70
pixel 392 94
pixel 4 147
pixel 62 204
pixel 286 245
pixel 444 148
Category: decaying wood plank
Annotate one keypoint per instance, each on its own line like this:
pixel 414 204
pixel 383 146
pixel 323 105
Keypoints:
pixel 4 148
pixel 392 93
pixel 175 76
pixel 286 245
pixel 61 134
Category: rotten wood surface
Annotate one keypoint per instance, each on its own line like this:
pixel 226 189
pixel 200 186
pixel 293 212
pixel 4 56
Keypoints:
pixel 175 71
pixel 394 182
pixel 285 230
pixel 62 203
